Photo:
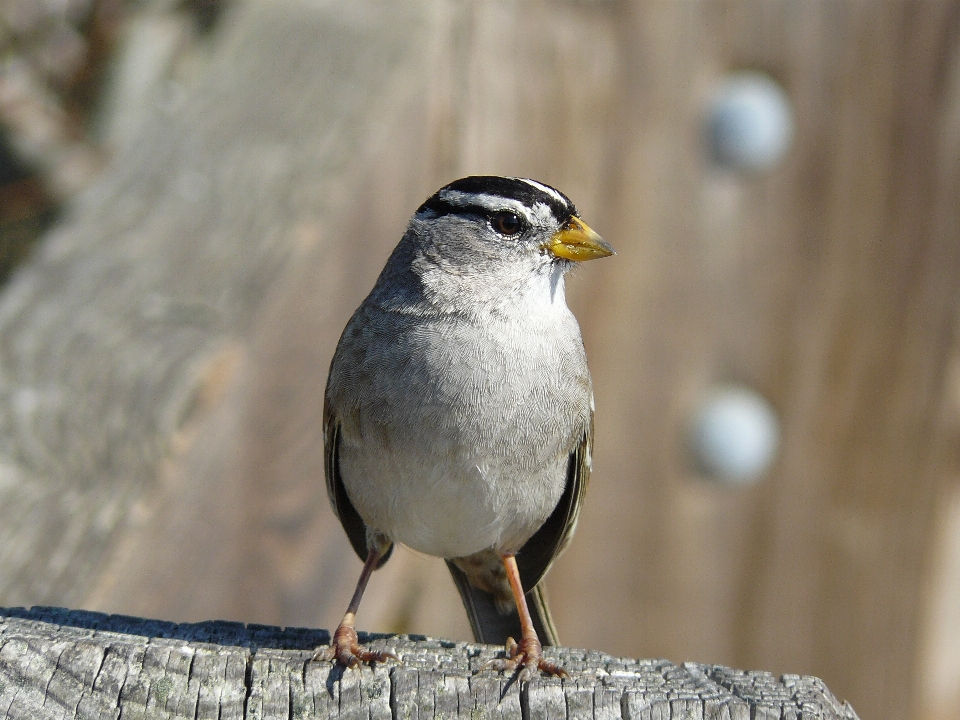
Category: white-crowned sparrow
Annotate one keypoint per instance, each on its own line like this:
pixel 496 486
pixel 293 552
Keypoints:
pixel 458 414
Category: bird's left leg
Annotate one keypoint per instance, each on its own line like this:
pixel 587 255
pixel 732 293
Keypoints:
pixel 527 655
pixel 345 646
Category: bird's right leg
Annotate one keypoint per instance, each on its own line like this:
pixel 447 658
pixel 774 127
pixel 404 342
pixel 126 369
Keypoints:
pixel 345 647
pixel 525 656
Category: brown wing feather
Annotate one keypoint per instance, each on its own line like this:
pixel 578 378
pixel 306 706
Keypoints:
pixel 539 552
pixel 349 518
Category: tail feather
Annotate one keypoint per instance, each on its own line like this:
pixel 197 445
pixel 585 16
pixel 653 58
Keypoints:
pixel 490 626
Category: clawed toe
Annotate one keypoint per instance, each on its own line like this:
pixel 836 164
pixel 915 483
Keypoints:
pixel 526 659
pixel 345 650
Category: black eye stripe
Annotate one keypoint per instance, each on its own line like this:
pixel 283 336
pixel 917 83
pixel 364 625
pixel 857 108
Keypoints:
pixel 441 207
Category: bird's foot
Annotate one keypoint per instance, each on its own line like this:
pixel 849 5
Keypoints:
pixel 345 650
pixel 526 657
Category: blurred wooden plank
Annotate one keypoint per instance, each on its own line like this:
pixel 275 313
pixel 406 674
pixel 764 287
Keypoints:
pixel 126 329
pixel 830 285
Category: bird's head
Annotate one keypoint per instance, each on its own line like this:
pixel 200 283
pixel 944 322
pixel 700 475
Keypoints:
pixel 482 222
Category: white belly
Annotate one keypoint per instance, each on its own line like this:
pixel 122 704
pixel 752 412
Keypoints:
pixel 449 507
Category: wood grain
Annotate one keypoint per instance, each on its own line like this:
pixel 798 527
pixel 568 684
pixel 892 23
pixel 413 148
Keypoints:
pixel 62 664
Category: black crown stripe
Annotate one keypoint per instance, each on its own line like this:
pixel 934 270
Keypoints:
pixel 509 188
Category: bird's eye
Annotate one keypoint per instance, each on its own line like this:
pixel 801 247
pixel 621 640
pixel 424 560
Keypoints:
pixel 506 223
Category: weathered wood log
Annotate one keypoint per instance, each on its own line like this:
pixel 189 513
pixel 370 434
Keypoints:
pixel 57 663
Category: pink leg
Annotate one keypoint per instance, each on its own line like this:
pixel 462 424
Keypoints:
pixel 345 646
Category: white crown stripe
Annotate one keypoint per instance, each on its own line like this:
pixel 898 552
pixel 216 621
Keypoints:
pixel 545 189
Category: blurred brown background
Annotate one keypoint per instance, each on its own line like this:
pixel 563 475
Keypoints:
pixel 221 182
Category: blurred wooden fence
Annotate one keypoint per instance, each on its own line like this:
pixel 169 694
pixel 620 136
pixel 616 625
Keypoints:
pixel 162 359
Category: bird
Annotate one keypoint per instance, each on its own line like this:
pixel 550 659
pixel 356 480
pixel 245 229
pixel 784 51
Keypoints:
pixel 458 410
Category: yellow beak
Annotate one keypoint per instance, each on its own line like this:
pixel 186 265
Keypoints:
pixel 577 242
